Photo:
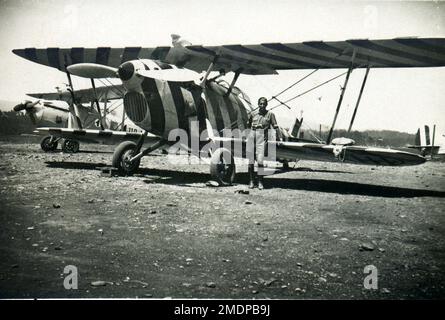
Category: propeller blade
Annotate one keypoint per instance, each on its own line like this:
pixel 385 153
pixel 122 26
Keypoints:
pixel 31 105
pixel 173 75
pixel 25 105
pixel 19 107
pixel 92 71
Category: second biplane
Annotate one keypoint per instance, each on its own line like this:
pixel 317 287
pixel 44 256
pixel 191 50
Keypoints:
pixel 79 118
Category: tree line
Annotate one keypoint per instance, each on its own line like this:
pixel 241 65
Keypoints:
pixel 16 123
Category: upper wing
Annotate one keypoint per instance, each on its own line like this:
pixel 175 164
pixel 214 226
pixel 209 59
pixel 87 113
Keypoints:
pixel 61 57
pixel 265 58
pixel 84 95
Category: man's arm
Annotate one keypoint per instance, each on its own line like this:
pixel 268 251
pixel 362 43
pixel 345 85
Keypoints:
pixel 274 124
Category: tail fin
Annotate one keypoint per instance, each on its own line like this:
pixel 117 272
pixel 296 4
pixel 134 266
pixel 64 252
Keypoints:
pixel 427 135
pixel 417 141
pixel 297 127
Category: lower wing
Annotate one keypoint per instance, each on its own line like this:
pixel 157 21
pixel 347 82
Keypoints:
pixel 348 154
pixel 96 136
pixel 331 153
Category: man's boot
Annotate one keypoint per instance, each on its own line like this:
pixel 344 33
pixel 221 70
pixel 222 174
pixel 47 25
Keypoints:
pixel 260 182
pixel 260 176
pixel 251 176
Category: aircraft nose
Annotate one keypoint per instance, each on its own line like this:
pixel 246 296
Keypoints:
pixel 126 71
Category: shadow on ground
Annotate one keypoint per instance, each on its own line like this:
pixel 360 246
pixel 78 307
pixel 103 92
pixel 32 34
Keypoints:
pixel 80 151
pixel 305 169
pixel 184 178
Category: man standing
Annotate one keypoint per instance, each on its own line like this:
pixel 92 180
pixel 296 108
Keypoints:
pixel 260 121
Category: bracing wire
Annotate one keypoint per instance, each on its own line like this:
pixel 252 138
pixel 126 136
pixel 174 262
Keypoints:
pixel 294 84
pixel 313 88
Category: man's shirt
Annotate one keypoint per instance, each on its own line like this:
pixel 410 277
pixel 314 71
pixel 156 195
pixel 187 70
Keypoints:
pixel 264 121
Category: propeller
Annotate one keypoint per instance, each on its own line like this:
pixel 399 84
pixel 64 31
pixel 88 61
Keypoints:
pixel 126 71
pixel 26 105
pixel 92 70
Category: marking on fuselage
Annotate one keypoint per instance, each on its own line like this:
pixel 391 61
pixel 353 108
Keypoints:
pixel 154 105
pixel 171 117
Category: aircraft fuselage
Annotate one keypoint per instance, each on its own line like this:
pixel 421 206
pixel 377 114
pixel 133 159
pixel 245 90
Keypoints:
pixel 160 106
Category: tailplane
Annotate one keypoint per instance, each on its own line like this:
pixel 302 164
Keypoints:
pixel 296 129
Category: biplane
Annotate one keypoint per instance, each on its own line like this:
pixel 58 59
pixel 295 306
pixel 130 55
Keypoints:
pixel 168 87
pixel 77 121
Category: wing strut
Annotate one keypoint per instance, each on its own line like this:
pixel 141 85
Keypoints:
pixel 105 100
pixel 123 119
pixel 340 100
pixel 73 108
pixel 432 144
pixel 102 127
pixel 359 97
pixel 209 69
pixel 235 78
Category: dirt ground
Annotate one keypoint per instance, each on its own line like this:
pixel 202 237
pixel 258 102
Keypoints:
pixel 164 233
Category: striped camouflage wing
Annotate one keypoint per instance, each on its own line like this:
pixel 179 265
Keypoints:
pixel 264 58
pixel 95 136
pixel 347 154
pixel 59 58
pixel 84 95
pixel 392 53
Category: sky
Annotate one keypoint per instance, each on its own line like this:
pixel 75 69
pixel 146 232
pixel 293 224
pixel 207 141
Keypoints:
pixel 394 99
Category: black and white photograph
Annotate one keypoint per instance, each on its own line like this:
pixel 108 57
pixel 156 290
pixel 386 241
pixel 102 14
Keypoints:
pixel 222 150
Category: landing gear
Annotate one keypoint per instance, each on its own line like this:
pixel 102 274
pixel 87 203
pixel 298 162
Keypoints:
pixel 127 156
pixel 48 144
pixel 222 166
pixel 122 158
pixel 70 146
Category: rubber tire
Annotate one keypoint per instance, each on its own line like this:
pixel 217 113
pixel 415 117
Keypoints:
pixel 46 146
pixel 70 146
pixel 221 156
pixel 125 150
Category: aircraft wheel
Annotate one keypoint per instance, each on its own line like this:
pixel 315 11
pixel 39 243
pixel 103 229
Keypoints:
pixel 121 158
pixel 70 146
pixel 222 166
pixel 48 146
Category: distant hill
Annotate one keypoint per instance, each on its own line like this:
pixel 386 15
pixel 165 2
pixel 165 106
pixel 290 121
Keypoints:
pixel 377 138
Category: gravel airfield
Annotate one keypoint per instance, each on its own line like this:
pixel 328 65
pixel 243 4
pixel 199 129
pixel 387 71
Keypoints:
pixel 164 232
